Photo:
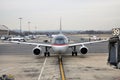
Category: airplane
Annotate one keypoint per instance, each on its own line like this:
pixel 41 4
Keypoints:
pixel 94 38
pixel 17 39
pixel 60 45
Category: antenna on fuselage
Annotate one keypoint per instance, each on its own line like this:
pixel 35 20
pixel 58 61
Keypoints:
pixel 60 26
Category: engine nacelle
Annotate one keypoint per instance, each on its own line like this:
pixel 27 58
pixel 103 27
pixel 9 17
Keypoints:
pixel 37 50
pixel 83 49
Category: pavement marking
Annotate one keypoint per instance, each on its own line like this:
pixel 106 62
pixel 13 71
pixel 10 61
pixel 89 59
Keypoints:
pixel 6 69
pixel 62 70
pixel 42 69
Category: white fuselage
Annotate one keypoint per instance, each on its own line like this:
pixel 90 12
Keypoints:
pixel 60 44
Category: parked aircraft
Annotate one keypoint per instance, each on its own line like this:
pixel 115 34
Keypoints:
pixel 17 39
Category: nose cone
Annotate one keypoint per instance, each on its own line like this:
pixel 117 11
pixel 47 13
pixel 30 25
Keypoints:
pixel 60 49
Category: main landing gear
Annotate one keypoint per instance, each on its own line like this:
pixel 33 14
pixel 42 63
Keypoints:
pixel 46 53
pixel 74 52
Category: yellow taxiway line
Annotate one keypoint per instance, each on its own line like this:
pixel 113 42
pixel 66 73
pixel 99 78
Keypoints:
pixel 61 70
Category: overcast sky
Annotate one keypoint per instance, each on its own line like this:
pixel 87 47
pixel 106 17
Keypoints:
pixel 76 14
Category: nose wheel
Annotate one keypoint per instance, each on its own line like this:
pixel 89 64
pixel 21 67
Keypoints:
pixel 60 57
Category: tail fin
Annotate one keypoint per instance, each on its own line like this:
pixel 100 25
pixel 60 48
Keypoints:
pixel 60 26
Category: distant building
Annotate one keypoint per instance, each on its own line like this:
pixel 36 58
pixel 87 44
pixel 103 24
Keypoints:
pixel 4 30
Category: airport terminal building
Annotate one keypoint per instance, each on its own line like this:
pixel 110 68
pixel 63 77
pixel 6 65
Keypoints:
pixel 4 30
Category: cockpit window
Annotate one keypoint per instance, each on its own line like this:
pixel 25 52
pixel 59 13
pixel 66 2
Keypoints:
pixel 60 40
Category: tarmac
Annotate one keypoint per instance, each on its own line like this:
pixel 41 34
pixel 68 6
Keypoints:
pixel 28 67
pixel 18 61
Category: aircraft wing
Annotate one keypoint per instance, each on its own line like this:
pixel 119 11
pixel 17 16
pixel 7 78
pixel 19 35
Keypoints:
pixel 80 44
pixel 36 44
pixel 70 45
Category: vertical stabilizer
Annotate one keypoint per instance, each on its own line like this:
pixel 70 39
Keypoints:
pixel 60 26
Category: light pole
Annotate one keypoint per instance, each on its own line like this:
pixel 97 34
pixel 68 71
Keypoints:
pixel 20 25
pixel 29 26
pixel 35 29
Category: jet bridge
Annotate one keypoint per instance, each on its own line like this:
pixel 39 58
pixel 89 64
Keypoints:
pixel 114 48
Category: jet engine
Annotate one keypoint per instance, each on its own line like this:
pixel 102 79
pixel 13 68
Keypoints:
pixel 83 49
pixel 37 50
